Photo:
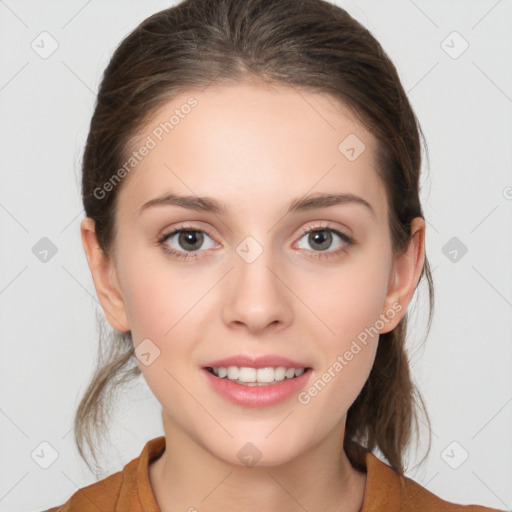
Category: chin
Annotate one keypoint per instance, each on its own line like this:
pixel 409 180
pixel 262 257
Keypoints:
pixel 258 450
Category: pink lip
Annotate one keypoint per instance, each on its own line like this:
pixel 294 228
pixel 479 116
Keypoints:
pixel 257 396
pixel 256 362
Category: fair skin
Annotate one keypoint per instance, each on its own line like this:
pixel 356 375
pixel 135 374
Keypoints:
pixel 254 148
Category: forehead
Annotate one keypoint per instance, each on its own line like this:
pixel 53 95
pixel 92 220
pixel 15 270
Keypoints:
pixel 248 143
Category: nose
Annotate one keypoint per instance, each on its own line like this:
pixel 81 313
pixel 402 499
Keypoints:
pixel 258 297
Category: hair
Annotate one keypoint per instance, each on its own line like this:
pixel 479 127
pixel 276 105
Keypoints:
pixel 309 44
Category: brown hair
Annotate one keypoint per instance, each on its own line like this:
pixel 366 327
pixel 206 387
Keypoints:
pixel 312 45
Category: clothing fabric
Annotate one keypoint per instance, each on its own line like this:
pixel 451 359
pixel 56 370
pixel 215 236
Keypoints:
pixel 130 490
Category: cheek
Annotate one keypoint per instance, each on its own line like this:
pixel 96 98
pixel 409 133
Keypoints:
pixel 350 298
pixel 157 295
pixel 349 303
pixel 161 301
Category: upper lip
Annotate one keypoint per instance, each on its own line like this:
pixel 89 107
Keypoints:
pixel 244 360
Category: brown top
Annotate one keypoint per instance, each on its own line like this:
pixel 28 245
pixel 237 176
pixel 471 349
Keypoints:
pixel 130 490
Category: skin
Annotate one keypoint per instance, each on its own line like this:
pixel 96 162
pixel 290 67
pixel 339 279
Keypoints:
pixel 255 148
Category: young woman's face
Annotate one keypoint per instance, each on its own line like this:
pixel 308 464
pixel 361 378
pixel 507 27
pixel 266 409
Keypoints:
pixel 258 277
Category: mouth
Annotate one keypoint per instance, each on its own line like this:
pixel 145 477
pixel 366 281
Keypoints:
pixel 249 376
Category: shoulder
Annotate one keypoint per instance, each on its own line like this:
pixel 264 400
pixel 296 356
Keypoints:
pixel 387 490
pixel 101 495
pixel 128 489
pixel 416 498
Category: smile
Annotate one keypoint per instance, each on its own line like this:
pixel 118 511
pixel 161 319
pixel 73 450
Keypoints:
pixel 256 376
pixel 245 389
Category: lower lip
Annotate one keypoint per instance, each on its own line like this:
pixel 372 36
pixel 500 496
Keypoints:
pixel 257 396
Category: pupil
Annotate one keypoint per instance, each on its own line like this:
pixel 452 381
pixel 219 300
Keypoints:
pixel 191 237
pixel 323 239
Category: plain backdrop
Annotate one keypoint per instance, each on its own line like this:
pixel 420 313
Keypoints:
pixel 455 62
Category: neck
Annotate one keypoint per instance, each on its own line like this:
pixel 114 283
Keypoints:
pixel 188 477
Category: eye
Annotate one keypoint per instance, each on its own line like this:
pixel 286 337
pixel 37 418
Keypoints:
pixel 181 241
pixel 186 242
pixel 321 238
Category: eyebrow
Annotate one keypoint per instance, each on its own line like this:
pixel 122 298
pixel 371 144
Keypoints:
pixel 209 204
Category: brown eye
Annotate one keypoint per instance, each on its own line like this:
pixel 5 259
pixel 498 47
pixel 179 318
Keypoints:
pixel 181 241
pixel 190 240
pixel 322 239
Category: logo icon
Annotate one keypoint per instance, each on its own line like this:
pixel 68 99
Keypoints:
pixel 44 45
pixel 249 454
pixel 249 249
pixel 454 249
pixel 44 250
pixel 454 45
pixel 351 147
pixel 146 352
pixel 454 455
pixel 44 455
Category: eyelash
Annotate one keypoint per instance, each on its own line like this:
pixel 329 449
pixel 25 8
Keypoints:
pixel 348 241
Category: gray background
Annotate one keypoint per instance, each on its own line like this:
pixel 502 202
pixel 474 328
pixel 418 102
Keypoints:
pixel 48 308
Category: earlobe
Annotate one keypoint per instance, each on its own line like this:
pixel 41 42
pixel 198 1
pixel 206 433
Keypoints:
pixel 405 275
pixel 103 274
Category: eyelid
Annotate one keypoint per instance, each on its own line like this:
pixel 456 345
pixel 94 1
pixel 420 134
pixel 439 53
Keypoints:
pixel 166 233
pixel 319 225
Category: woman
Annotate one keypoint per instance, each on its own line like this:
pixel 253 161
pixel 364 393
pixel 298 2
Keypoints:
pixel 255 234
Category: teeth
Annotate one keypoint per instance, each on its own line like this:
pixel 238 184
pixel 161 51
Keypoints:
pixel 247 375
pixel 279 373
pixel 265 375
pixel 233 373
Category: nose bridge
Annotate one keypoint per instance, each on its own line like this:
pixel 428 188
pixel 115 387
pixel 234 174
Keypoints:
pixel 257 297
pixel 253 265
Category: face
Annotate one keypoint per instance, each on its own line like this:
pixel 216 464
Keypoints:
pixel 268 273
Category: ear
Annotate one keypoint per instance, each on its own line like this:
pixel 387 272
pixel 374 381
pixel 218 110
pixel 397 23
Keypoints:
pixel 404 276
pixel 104 276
